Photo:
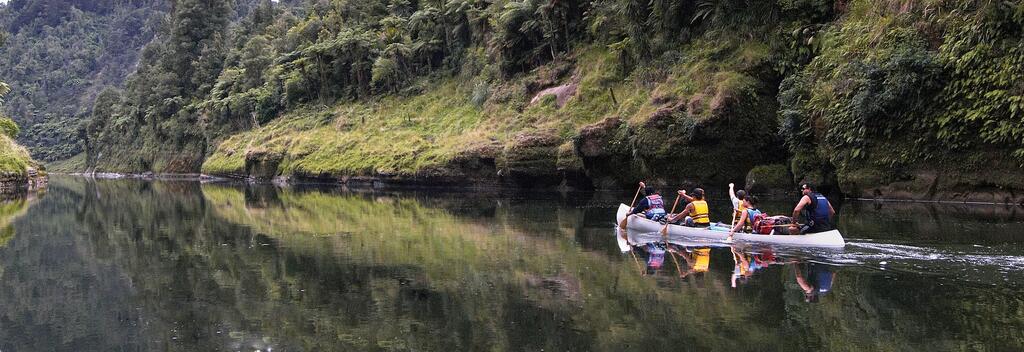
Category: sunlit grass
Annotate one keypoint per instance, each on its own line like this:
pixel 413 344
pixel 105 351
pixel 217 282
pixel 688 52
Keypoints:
pixel 403 135
pixel 14 158
pixel 76 163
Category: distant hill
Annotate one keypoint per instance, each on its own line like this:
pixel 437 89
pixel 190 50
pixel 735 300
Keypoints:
pixel 60 54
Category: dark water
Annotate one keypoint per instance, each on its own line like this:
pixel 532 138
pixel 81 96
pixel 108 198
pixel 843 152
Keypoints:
pixel 144 266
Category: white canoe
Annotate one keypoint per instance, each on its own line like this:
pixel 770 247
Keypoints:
pixel 720 233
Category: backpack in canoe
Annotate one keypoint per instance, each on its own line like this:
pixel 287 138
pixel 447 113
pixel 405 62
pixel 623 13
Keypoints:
pixel 764 224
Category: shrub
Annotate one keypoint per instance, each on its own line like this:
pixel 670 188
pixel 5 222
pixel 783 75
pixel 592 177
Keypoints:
pixel 481 91
pixel 9 128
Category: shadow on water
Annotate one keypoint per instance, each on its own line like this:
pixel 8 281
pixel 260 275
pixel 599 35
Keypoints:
pixel 139 266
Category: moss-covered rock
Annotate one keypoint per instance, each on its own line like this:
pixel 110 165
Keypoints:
pixel 972 177
pixel 570 165
pixel 606 154
pixel 676 144
pixel 531 159
pixel 262 165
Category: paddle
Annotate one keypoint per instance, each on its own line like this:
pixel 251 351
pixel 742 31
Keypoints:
pixel 664 230
pixel 622 225
pixel 674 260
pixel 637 261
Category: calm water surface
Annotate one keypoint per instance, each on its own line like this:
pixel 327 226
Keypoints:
pixel 152 266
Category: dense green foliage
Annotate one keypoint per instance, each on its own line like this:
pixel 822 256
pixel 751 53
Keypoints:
pixel 158 121
pixel 60 54
pixel 908 84
pixel 280 57
pixel 9 128
pixel 862 92
pixel 14 159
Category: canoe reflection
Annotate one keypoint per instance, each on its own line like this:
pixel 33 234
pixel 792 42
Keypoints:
pixel 743 265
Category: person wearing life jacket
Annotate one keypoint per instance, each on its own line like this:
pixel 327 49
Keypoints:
pixel 816 210
pixel 652 206
pixel 746 219
pixel 696 212
pixel 737 198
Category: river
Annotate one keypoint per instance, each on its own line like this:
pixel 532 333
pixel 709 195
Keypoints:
pixel 127 265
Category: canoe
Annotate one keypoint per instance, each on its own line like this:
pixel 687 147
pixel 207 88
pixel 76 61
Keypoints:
pixel 719 233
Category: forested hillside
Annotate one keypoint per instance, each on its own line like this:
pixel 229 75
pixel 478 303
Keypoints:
pixel 885 97
pixel 60 55
pixel 444 90
pixel 14 159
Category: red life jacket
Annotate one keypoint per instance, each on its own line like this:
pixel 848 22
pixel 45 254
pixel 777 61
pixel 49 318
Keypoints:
pixel 656 206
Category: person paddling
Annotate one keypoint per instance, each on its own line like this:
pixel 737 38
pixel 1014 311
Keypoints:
pixel 696 212
pixel 652 206
pixel 816 210
pixel 746 218
pixel 738 205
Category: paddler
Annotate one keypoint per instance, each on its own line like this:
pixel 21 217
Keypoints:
pixel 746 219
pixel 696 212
pixel 737 198
pixel 816 210
pixel 652 206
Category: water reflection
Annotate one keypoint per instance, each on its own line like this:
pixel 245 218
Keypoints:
pixel 141 266
pixel 813 279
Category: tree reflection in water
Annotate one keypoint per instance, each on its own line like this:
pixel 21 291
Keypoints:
pixel 139 266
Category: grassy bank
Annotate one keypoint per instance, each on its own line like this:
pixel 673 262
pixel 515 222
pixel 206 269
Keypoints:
pixel 446 118
pixel 76 163
pixel 14 158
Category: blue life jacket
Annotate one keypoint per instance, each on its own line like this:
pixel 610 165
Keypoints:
pixel 820 276
pixel 656 206
pixel 751 216
pixel 819 212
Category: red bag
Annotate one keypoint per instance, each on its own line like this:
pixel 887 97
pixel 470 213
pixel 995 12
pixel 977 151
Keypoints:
pixel 764 224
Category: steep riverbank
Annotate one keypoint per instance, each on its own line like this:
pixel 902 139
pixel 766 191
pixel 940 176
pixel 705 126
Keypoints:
pixel 894 100
pixel 582 133
pixel 18 171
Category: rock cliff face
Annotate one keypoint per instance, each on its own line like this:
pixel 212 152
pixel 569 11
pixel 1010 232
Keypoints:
pixel 983 180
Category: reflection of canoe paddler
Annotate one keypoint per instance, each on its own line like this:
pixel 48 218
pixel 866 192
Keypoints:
pixel 815 280
pixel 702 259
pixel 749 263
pixel 698 260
